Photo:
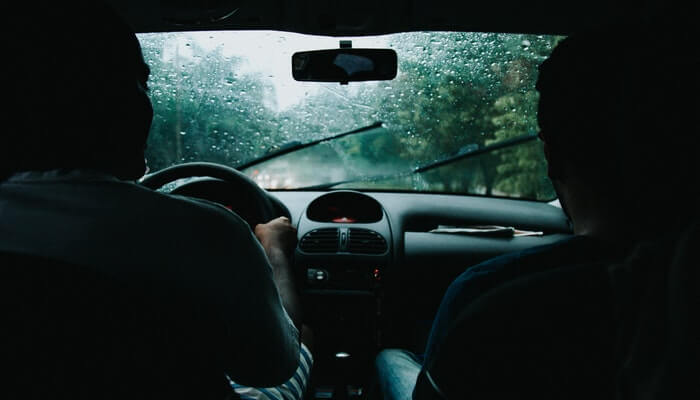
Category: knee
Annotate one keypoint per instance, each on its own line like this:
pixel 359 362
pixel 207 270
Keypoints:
pixel 386 357
pixel 391 360
pixel 396 372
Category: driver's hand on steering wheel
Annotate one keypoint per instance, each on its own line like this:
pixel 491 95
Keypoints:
pixel 278 234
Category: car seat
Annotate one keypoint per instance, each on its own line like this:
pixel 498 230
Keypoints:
pixel 70 331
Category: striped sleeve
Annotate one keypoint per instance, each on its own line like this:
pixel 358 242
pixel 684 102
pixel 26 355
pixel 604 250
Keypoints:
pixel 293 389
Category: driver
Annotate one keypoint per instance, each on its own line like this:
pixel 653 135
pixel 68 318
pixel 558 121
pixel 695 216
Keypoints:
pixel 78 84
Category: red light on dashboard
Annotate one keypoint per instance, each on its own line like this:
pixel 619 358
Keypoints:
pixel 346 220
pixel 376 274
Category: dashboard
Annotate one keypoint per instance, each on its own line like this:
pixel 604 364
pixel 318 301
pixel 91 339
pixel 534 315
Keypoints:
pixel 374 274
pixel 372 268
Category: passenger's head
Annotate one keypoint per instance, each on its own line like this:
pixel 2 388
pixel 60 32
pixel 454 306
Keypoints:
pixel 617 113
pixel 76 82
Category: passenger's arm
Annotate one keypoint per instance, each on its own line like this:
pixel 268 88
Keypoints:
pixel 549 335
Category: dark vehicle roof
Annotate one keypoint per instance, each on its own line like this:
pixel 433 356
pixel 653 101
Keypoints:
pixel 366 17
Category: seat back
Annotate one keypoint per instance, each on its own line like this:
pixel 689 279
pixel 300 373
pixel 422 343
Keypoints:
pixel 71 331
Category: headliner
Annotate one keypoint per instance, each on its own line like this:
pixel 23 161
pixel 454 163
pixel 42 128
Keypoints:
pixel 367 17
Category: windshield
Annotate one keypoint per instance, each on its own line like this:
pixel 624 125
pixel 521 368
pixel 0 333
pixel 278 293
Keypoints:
pixel 229 97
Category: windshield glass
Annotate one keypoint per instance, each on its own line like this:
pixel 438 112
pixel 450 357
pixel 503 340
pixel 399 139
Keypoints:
pixel 229 97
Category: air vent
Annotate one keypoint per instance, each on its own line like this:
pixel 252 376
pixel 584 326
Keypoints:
pixel 365 241
pixel 320 241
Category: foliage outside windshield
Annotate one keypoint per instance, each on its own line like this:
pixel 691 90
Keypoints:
pixel 228 97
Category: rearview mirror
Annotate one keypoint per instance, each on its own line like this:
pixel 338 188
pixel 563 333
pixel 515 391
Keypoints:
pixel 344 65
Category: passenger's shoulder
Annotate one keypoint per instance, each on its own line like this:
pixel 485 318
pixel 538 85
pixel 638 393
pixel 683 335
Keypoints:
pixel 570 248
pixel 522 261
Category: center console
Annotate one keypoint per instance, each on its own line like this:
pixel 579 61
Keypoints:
pixel 343 250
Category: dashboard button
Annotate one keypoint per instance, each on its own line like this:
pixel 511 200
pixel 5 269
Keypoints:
pixel 314 275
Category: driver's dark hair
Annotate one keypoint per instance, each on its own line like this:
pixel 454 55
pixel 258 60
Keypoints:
pixel 70 79
pixel 620 105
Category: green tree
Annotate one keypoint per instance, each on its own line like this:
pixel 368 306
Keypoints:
pixel 205 109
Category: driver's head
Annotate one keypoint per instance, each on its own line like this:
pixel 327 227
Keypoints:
pixel 617 112
pixel 77 91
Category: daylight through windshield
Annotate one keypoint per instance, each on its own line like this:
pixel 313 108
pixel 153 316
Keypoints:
pixel 229 97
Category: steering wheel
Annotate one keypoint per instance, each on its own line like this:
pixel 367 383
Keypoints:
pixel 247 199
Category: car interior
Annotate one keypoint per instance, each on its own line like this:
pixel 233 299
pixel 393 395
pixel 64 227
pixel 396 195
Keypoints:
pixel 373 259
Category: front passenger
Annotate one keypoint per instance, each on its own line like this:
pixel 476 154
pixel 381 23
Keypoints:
pixel 617 132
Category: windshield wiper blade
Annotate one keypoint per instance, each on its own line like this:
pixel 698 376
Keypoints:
pixel 296 146
pixel 373 178
pixel 473 152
